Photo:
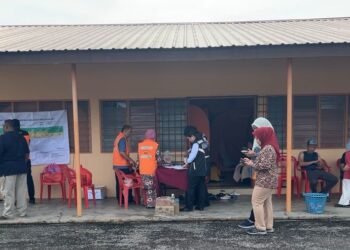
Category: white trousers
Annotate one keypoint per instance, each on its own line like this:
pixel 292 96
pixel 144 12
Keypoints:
pixel 345 197
pixel 15 192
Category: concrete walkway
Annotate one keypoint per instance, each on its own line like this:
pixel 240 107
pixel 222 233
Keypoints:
pixel 56 211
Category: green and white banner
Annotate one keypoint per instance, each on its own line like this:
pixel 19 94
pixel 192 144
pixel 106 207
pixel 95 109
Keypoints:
pixel 49 135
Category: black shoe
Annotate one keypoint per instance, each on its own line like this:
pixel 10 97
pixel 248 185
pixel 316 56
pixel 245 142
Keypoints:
pixel 247 224
pixel 199 208
pixel 3 217
pixel 186 209
pixel 32 201
pixel 339 205
pixel 254 231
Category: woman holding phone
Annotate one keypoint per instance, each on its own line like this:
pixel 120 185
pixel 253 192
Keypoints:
pixel 252 154
pixel 265 166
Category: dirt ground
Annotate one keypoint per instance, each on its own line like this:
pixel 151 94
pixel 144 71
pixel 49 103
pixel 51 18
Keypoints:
pixel 309 235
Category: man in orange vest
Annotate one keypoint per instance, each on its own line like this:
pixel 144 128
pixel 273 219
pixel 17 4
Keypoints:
pixel 148 156
pixel 121 158
pixel 30 182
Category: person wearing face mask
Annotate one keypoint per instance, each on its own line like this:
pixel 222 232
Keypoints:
pixel 197 170
pixel 265 166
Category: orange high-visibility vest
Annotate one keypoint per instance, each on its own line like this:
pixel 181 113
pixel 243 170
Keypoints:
pixel 147 151
pixel 27 138
pixel 118 159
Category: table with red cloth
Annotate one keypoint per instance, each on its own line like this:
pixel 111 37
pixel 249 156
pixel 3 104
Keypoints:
pixel 172 177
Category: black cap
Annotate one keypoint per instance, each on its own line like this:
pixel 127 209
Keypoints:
pixel 312 142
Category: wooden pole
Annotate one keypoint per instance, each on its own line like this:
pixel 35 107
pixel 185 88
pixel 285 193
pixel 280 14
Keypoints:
pixel 76 138
pixel 289 135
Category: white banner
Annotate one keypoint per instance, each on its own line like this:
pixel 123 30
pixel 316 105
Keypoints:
pixel 49 135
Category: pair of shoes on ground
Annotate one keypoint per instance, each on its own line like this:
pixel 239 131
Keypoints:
pixel 251 229
pixel 340 205
pixel 186 209
pixel 255 231
pixel 32 201
pixel 8 218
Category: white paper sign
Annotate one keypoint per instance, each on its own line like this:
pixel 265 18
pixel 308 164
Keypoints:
pixel 49 135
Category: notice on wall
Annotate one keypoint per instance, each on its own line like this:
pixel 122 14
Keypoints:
pixel 49 135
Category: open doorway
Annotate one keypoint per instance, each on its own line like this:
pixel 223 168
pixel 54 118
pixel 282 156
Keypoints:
pixel 227 124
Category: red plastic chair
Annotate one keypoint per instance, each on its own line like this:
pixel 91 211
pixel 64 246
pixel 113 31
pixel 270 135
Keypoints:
pixel 124 189
pixel 53 174
pixel 306 179
pixel 282 165
pixel 86 183
pixel 341 174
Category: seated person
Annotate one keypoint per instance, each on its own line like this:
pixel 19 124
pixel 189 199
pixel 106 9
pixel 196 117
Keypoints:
pixel 345 177
pixel 310 161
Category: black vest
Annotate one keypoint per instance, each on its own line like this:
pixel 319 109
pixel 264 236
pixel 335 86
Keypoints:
pixel 199 165
pixel 310 157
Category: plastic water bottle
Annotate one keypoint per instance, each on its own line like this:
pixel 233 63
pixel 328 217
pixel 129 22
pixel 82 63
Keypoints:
pixel 172 198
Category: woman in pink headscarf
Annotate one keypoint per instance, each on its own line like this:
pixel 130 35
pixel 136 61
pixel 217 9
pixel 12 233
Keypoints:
pixel 148 160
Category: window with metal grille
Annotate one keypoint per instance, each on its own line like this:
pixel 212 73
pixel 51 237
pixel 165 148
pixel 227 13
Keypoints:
pixel 305 120
pixel 84 125
pixel 5 107
pixel 261 110
pixel 25 106
pixel 332 121
pixel 113 117
pixel 172 119
pixel 168 117
pixel 84 117
pixel 277 115
pixel 142 116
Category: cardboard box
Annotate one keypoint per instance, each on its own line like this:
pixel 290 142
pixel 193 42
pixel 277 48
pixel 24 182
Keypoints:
pixel 166 206
pixel 165 210
pixel 100 193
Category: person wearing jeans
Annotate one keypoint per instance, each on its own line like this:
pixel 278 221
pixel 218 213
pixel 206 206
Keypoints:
pixel 265 167
pixel 121 158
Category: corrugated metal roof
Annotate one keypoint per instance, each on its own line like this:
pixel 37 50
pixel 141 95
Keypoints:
pixel 176 35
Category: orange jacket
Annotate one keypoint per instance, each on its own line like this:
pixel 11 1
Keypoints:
pixel 147 152
pixel 118 159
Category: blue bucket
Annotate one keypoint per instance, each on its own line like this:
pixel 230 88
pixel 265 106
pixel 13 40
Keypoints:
pixel 315 202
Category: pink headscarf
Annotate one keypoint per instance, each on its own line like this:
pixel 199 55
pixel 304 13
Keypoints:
pixel 150 134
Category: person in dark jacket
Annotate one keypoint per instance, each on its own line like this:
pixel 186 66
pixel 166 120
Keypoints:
pixel 14 153
pixel 192 129
pixel 197 170
pixel 30 182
